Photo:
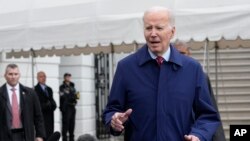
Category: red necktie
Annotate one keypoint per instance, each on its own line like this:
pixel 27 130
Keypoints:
pixel 15 110
pixel 159 60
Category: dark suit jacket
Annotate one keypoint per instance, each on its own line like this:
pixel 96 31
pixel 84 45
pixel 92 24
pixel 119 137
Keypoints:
pixel 31 114
pixel 219 134
pixel 48 106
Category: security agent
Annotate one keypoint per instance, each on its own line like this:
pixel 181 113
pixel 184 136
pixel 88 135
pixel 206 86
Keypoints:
pixel 68 100
pixel 20 112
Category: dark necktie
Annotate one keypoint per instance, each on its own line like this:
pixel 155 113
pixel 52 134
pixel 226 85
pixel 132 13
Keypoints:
pixel 159 60
pixel 15 110
pixel 46 92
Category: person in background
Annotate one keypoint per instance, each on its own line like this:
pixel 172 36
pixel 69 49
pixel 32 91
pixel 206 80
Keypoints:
pixel 87 137
pixel 48 104
pixel 183 48
pixel 156 90
pixel 68 100
pixel 20 112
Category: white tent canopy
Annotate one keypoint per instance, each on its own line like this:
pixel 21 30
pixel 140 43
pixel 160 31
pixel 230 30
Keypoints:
pixel 65 27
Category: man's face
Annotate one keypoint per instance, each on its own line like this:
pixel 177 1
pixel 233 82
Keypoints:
pixel 12 76
pixel 41 78
pixel 157 31
pixel 67 78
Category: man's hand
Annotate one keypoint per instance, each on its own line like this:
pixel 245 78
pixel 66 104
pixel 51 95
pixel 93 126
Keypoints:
pixel 38 139
pixel 191 138
pixel 119 118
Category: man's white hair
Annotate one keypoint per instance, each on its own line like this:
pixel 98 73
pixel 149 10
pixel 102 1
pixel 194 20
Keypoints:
pixel 163 9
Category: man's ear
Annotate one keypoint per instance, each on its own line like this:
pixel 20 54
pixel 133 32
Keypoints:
pixel 173 32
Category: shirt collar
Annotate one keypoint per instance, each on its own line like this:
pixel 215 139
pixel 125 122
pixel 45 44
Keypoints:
pixel 42 86
pixel 166 55
pixel 144 56
pixel 10 87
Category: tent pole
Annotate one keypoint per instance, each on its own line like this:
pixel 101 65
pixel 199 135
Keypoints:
pixel 33 55
pixel 205 63
pixel 112 60
pixel 216 71
pixel 111 64
pixel 207 57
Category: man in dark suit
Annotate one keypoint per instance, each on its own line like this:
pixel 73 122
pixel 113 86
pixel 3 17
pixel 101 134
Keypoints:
pixel 48 105
pixel 19 109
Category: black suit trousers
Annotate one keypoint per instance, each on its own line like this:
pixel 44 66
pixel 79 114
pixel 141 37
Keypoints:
pixel 68 126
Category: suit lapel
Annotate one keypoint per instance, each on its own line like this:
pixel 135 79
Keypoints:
pixel 8 108
pixel 42 92
pixel 22 97
pixel 7 98
pixel 23 110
